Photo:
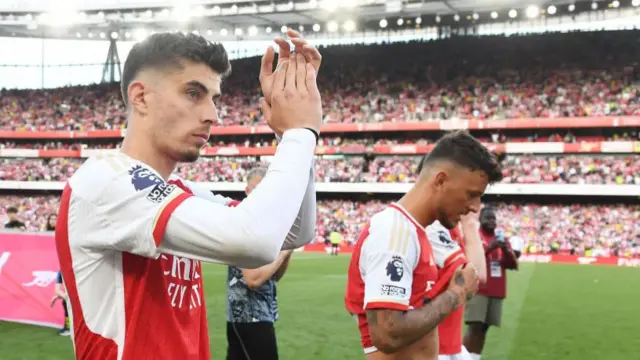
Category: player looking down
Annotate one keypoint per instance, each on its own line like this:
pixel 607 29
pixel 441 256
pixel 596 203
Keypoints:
pixel 130 235
pixel 393 284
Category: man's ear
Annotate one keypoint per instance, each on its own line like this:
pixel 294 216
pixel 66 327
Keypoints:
pixel 137 100
pixel 439 179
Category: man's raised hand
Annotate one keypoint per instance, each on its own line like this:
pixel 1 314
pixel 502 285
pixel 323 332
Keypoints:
pixel 295 98
pixel 310 53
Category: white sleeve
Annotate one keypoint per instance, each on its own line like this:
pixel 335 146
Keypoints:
pixel 147 216
pixel 446 251
pixel 516 243
pixel 388 257
pixel 251 234
pixel 304 227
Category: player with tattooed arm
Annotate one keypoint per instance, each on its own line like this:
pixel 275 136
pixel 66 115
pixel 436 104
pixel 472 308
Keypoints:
pixel 394 288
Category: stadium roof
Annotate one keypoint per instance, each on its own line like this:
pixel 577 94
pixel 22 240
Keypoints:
pixel 247 19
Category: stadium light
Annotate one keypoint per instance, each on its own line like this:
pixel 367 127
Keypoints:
pixel 78 35
pixel 234 8
pixel 438 18
pixel 90 35
pixel 283 29
pixel 571 7
pixel 223 32
pixel 139 34
pixel 615 4
pixel 349 25
pixel 513 13
pixel 209 32
pixel 103 35
pixel 127 35
pixel 253 30
pixel 268 30
pixel 400 22
pixel 475 16
pixel 300 28
pixel 551 10
pixel 418 20
pixel 216 10
pixel 114 35
pixel 494 14
pixel 532 11
pixel 332 26
pixel 316 27
pixel 635 2
pixel 383 23
pixel 313 4
pixel 456 17
pixel 594 6
pixel 238 32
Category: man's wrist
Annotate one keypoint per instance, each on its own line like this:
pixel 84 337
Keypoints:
pixel 315 132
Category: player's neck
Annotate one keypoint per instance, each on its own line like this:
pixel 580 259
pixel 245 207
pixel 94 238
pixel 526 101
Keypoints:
pixel 419 208
pixel 148 155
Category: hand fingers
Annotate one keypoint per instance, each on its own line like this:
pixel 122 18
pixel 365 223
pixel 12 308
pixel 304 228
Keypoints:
pixel 284 52
pixel 312 87
pixel 299 44
pixel 290 82
pixel 266 109
pixel 301 74
pixel 292 34
pixel 280 76
pixel 266 67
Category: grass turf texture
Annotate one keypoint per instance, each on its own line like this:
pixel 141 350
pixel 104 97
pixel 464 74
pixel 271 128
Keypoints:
pixel 567 312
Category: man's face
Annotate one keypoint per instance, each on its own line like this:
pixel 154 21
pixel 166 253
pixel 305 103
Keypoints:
pixel 53 219
pixel 181 107
pixel 252 183
pixel 488 220
pixel 458 192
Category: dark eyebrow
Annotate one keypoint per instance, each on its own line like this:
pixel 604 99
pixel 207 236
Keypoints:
pixel 202 88
pixel 199 85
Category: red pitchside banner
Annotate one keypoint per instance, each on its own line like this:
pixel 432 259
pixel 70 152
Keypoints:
pixel 28 271
pixel 537 258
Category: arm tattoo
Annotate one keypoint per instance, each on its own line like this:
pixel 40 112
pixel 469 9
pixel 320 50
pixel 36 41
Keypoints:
pixel 398 329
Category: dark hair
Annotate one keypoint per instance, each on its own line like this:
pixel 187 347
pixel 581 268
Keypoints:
pixel 48 226
pixel 488 208
pixel 465 150
pixel 12 210
pixel 166 50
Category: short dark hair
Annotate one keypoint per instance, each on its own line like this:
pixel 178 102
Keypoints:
pixel 166 50
pixel 12 210
pixel 465 150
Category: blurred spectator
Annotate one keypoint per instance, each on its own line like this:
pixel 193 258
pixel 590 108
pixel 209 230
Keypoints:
pixel 14 223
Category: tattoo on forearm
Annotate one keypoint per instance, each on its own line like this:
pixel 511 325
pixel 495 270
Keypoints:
pixel 404 328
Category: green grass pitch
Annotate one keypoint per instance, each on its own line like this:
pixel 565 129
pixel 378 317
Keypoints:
pixel 553 312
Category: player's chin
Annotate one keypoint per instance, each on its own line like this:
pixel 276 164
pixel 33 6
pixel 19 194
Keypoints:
pixel 190 155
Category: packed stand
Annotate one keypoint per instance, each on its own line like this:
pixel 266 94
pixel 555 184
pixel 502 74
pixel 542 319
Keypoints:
pixel 604 230
pixel 520 169
pixel 550 75
pixel 328 140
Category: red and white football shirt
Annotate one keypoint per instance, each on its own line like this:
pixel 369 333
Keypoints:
pixel 449 254
pixel 392 267
pixel 128 298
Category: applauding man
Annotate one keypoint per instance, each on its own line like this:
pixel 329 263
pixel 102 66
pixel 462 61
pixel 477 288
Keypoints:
pixel 129 225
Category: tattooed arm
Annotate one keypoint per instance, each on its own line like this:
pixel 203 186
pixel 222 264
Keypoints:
pixel 392 330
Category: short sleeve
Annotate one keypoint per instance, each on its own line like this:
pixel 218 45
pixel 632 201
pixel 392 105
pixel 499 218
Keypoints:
pixel 128 212
pixel 387 261
pixel 446 251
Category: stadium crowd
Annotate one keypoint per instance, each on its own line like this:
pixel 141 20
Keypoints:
pixel 551 75
pixel 605 230
pixel 523 169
